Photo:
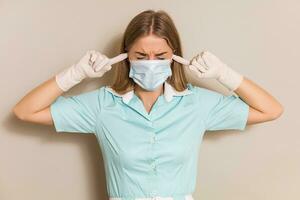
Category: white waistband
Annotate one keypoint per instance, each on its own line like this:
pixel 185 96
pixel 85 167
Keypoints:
pixel 186 197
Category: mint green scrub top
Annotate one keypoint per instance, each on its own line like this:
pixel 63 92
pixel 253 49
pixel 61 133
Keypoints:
pixel 147 155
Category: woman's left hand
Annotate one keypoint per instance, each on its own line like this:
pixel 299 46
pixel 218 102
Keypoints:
pixel 207 65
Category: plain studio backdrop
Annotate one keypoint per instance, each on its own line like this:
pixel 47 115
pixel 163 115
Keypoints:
pixel 258 38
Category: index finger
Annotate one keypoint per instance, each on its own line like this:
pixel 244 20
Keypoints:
pixel 118 58
pixel 181 60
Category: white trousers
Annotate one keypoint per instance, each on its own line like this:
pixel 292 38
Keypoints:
pixel 187 197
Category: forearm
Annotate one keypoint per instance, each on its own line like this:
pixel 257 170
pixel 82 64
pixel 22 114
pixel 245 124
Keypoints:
pixel 259 99
pixel 93 64
pixel 38 99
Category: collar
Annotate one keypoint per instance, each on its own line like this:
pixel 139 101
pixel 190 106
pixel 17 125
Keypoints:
pixel 169 92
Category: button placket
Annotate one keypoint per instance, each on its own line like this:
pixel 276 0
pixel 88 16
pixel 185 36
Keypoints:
pixel 153 135
pixel 152 161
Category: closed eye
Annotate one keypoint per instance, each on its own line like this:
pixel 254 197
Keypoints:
pixel 139 58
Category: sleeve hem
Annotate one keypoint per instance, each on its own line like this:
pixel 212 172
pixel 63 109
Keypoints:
pixel 100 92
pixel 244 116
pixel 54 118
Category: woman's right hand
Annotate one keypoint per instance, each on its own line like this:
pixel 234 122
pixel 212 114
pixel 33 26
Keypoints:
pixel 92 65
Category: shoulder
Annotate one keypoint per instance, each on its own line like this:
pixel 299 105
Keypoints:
pixel 91 98
pixel 107 95
pixel 204 93
pixel 208 99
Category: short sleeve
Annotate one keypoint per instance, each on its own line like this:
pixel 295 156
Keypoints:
pixel 76 113
pixel 224 112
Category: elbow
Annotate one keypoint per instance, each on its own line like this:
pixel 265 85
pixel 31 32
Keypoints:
pixel 277 112
pixel 18 114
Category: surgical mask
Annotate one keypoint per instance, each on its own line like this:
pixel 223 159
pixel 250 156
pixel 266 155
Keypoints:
pixel 149 74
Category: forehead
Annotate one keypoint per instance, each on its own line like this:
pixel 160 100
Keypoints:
pixel 151 43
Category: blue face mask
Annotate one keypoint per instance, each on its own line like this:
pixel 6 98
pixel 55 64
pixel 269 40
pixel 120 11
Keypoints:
pixel 149 74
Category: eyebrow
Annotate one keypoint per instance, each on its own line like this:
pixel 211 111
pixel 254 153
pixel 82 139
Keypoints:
pixel 143 54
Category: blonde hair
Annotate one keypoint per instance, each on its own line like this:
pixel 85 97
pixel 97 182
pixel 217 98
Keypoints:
pixel 146 23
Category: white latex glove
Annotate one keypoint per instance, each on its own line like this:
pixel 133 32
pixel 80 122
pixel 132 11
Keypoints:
pixel 207 65
pixel 92 65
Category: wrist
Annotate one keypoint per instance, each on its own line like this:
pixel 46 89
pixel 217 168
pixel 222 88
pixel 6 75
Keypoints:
pixel 68 78
pixel 230 78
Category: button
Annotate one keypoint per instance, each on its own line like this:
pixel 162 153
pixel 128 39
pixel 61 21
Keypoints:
pixel 153 166
pixel 153 194
pixel 153 138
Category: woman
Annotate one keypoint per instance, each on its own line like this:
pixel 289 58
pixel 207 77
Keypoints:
pixel 150 121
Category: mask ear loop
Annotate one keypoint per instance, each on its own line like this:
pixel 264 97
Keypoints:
pixel 180 60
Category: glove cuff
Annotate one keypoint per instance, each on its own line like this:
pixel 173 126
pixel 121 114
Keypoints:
pixel 230 78
pixel 68 78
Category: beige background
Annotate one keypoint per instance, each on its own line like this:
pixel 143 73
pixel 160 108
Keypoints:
pixel 258 38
